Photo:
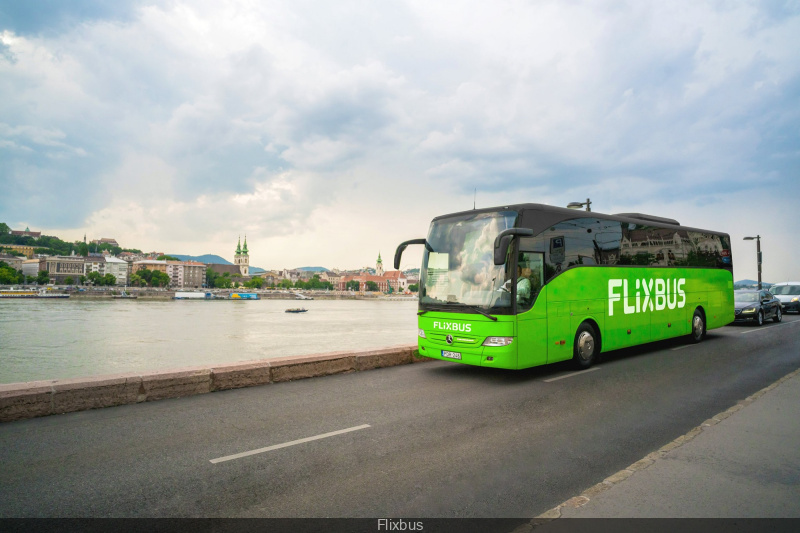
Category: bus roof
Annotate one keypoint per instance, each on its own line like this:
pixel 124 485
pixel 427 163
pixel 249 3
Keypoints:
pixel 548 215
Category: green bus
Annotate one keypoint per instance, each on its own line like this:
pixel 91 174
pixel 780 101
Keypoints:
pixel 530 284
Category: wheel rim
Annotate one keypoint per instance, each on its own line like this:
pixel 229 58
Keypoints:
pixel 697 326
pixel 585 346
pixel 760 318
pixel 779 315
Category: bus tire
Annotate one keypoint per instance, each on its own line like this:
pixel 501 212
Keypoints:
pixel 585 347
pixel 698 326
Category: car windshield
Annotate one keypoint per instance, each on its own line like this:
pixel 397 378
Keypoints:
pixel 458 264
pixel 786 290
pixel 746 297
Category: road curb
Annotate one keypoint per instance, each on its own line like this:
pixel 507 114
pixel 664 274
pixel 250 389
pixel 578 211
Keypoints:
pixel 20 401
pixel 648 460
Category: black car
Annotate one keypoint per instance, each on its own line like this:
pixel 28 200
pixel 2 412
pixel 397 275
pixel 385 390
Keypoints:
pixel 757 306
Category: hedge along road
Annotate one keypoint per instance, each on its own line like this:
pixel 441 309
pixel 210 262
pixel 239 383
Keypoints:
pixel 428 440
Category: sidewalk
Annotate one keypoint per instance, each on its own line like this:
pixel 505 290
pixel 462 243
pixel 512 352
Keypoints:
pixel 742 463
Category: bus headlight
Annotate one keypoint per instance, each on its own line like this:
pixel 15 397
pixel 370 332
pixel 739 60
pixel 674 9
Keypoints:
pixel 421 333
pixel 498 341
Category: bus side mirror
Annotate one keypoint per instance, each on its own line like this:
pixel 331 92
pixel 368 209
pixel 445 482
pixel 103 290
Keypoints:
pixel 503 239
pixel 399 253
pixel 500 250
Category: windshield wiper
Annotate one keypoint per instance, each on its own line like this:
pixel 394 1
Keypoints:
pixel 479 310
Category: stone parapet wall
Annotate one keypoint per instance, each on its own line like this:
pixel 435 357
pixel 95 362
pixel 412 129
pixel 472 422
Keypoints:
pixel 19 401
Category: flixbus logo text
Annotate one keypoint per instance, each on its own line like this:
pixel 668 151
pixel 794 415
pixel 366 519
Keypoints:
pixel 650 294
pixel 453 326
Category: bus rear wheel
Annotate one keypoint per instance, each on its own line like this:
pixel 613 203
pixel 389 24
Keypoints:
pixel 585 347
pixel 698 326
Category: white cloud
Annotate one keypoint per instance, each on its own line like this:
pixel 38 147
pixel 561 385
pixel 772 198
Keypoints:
pixel 329 132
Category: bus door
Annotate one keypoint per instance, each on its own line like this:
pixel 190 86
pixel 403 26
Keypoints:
pixel 531 304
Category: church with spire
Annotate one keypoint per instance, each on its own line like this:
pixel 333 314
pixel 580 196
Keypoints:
pixel 242 258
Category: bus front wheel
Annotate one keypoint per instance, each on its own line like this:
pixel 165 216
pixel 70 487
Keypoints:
pixel 698 326
pixel 585 347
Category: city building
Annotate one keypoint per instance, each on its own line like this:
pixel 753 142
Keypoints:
pixel 26 233
pixel 61 267
pixel 232 270
pixel 395 280
pixel 19 248
pixel 31 267
pixel 12 260
pixel 104 240
pixel 150 264
pixel 94 263
pixel 186 274
pixel 117 268
pixel 270 277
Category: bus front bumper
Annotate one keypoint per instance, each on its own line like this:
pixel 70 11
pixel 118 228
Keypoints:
pixel 489 356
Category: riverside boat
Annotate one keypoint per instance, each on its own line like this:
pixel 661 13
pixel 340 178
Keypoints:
pixel 297 310
pixel 298 296
pixel 190 295
pixel 243 296
pixel 30 293
pixel 125 295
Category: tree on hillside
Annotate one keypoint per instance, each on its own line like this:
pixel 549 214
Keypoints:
pixel 83 249
pixel 4 229
pixel 9 276
pixel 167 258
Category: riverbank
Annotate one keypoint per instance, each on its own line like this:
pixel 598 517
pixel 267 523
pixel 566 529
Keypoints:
pixel 19 401
pixel 164 294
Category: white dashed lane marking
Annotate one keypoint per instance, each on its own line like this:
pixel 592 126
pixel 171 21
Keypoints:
pixel 287 444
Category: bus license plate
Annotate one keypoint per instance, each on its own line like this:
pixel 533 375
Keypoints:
pixel 451 355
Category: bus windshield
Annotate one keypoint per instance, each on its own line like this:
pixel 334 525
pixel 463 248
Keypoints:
pixel 458 267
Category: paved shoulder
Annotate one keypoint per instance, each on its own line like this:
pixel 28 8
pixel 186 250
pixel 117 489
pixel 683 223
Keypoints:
pixel 742 463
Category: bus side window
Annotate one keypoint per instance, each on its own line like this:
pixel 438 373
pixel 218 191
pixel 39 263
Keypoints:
pixel 531 266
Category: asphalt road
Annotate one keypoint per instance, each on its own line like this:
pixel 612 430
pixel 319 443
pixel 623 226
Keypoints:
pixel 426 440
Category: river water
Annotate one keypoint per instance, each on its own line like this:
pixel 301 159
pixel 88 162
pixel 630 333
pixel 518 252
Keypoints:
pixel 70 338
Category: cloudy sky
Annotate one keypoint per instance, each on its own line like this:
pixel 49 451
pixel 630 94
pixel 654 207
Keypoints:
pixel 327 132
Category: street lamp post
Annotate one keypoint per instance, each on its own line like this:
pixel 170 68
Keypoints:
pixel 757 238
pixel 578 205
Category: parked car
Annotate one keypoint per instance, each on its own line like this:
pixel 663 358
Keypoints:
pixel 789 294
pixel 757 306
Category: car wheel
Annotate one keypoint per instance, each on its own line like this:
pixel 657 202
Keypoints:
pixel 585 347
pixel 698 326
pixel 760 318
pixel 778 315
